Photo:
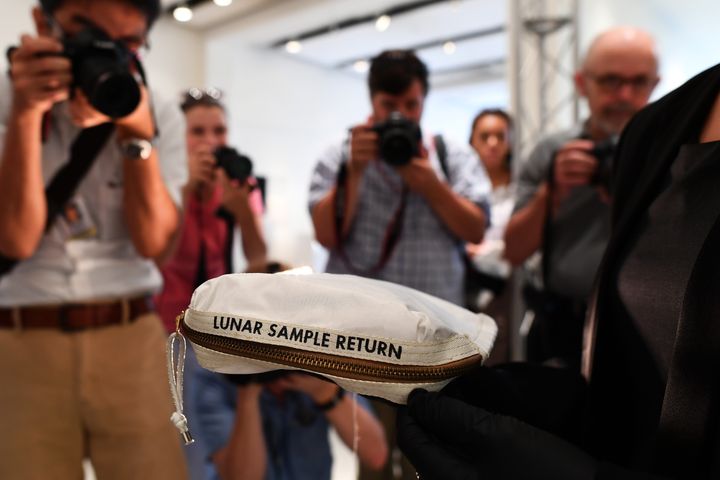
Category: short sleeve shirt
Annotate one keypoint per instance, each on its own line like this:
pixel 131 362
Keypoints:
pixel 88 253
pixel 580 229
pixel 427 256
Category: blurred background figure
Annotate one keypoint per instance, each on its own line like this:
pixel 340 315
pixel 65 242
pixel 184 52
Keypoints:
pixel 564 192
pixel 278 429
pixel 213 206
pixel 488 271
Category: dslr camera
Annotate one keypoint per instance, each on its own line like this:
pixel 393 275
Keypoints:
pixel 604 152
pixel 398 139
pixel 101 68
pixel 236 165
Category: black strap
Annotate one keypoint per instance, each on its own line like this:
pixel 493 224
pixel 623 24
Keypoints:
pixel 441 150
pixel 547 233
pixel 229 220
pixel 64 184
pixel 392 232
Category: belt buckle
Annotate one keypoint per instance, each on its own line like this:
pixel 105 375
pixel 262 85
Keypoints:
pixel 64 320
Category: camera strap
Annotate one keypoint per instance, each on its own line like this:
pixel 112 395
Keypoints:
pixel 392 232
pixel 64 184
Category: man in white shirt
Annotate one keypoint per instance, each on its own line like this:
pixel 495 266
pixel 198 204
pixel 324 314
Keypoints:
pixel 81 351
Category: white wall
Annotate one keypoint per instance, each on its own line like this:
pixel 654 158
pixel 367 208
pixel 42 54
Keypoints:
pixel 283 114
pixel 14 21
pixel 176 59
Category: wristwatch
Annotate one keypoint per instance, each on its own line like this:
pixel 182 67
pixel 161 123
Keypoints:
pixel 330 404
pixel 136 148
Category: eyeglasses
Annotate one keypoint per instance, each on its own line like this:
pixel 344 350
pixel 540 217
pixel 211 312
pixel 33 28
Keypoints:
pixel 198 96
pixel 613 83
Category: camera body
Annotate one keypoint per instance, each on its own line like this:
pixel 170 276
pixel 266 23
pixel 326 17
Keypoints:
pixel 604 152
pixel 101 68
pixel 236 165
pixel 398 139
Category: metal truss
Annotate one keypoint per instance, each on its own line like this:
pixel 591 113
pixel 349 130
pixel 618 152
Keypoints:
pixel 544 35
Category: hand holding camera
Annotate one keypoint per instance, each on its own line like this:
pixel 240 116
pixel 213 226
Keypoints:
pixel 201 168
pixel 40 76
pixel 363 147
pixel 583 162
pixel 574 166
pixel 233 171
pixel 98 73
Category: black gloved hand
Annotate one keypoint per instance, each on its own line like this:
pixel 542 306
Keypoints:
pixel 447 439
pixel 551 399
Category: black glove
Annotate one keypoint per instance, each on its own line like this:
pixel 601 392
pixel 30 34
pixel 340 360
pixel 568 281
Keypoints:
pixel 551 399
pixel 447 439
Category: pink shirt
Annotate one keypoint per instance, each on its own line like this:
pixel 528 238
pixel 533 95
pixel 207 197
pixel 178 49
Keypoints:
pixel 201 227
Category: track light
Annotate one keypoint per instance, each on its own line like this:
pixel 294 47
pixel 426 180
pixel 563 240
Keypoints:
pixel 183 13
pixel 361 66
pixel 449 47
pixel 222 3
pixel 293 46
pixel 382 23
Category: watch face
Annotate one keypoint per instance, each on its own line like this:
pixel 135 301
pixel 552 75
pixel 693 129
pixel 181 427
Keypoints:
pixel 140 149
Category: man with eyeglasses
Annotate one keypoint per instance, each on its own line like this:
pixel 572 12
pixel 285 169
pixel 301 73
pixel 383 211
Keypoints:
pixel 564 192
pixel 87 201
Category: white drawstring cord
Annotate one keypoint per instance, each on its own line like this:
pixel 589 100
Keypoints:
pixel 356 435
pixel 175 377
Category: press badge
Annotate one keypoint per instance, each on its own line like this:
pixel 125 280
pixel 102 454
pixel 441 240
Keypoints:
pixel 75 221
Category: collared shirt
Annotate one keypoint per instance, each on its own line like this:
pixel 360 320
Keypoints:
pixel 88 253
pixel 204 239
pixel 580 228
pixel 295 431
pixel 428 256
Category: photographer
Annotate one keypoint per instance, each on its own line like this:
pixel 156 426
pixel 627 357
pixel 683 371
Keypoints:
pixel 562 208
pixel 89 197
pixel 392 206
pixel 278 429
pixel 218 182
pixel 211 197
pixel 401 219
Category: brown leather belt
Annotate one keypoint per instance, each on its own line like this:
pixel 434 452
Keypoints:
pixel 74 317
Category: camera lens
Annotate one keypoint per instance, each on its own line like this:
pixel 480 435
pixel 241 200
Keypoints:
pixel 114 94
pixel 398 139
pixel 101 69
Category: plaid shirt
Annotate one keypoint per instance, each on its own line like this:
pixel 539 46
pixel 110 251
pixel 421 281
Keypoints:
pixel 427 256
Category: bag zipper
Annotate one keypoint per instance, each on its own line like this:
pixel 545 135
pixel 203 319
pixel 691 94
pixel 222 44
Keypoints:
pixel 335 365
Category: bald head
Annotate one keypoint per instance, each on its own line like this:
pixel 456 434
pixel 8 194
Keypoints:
pixel 617 77
pixel 621 42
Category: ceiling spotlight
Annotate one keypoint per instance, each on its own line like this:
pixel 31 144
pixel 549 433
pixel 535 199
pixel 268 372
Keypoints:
pixel 183 13
pixel 361 66
pixel 222 3
pixel 382 23
pixel 449 48
pixel 293 46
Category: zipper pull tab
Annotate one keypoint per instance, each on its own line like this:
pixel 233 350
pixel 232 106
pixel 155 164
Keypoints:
pixel 175 377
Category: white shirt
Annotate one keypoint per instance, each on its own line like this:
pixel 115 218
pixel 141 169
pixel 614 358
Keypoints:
pixel 92 258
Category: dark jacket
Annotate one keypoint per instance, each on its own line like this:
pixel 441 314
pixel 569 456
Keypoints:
pixel 681 438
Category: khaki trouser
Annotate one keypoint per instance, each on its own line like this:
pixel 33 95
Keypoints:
pixel 100 394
